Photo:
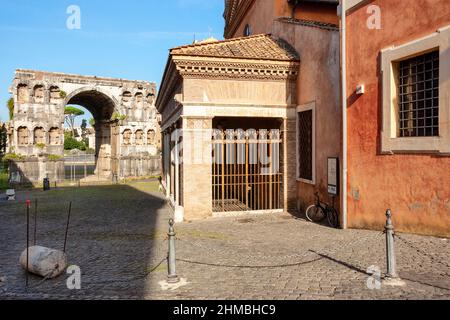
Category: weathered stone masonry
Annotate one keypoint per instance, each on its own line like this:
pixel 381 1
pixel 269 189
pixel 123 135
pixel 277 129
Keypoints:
pixel 127 130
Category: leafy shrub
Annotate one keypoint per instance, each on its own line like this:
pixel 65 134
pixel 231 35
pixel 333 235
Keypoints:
pixel 12 157
pixel 71 144
pixel 53 157
pixel 10 105
pixel 41 145
pixel 117 116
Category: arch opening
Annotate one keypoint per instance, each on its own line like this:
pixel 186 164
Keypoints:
pixel 102 107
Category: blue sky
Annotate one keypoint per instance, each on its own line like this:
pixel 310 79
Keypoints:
pixel 125 39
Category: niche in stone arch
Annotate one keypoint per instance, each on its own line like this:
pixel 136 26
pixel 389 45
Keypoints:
pixel 150 98
pixel 139 137
pixel 126 98
pixel 39 94
pixel 22 93
pixel 55 94
pixel 54 136
pixel 139 99
pixel 39 136
pixel 151 135
pixel 22 135
pixel 126 137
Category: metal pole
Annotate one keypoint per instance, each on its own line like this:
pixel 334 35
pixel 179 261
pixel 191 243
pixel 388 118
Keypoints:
pixel 67 227
pixel 28 239
pixel 390 247
pixel 35 220
pixel 172 277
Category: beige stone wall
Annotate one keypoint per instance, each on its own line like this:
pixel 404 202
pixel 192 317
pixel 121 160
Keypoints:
pixel 254 92
pixel 197 175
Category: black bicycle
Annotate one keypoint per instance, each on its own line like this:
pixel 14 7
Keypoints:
pixel 321 210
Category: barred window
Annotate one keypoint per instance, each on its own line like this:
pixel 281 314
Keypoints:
pixel 419 96
pixel 305 145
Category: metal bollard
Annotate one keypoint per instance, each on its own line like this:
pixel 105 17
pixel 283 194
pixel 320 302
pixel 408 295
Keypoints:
pixel 172 276
pixel 390 247
pixel 46 184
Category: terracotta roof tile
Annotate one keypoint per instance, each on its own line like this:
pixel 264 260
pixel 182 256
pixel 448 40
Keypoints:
pixel 261 47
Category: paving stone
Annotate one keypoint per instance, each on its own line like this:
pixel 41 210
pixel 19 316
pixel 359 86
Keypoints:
pixel 117 241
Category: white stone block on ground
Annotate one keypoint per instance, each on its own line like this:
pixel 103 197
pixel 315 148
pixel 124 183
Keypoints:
pixel 165 286
pixel 44 262
pixel 11 194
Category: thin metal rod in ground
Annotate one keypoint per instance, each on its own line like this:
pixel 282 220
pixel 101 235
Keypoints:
pixel 35 220
pixel 28 239
pixel 67 227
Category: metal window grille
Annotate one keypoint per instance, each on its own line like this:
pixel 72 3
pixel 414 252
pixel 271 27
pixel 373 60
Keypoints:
pixel 246 170
pixel 419 96
pixel 305 145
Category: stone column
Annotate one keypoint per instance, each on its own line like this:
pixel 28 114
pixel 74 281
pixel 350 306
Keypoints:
pixel 177 147
pixel 197 167
pixel 289 163
pixel 167 161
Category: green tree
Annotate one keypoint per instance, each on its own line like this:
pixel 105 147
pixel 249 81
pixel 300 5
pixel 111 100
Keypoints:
pixel 3 138
pixel 71 114
pixel 92 122
pixel 10 106
pixel 83 128
pixel 71 143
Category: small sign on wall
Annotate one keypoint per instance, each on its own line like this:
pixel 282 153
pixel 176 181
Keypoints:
pixel 333 176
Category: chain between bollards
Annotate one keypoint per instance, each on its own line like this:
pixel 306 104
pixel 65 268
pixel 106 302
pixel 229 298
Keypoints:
pixel 171 263
pixel 390 247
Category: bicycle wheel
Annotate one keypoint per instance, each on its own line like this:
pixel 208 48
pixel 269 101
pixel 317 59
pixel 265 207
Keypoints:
pixel 315 214
pixel 333 217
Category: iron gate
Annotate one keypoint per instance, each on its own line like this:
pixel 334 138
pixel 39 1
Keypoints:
pixel 246 170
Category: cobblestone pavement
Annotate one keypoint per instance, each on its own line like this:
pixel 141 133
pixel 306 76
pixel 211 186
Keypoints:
pixel 118 239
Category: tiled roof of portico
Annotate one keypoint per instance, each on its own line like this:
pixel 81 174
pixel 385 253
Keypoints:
pixel 258 47
pixel 255 58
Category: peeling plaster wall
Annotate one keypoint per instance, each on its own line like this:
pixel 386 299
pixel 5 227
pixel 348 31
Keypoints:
pixel 416 186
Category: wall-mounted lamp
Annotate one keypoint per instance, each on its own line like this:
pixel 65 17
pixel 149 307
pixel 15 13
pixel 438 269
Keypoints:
pixel 360 89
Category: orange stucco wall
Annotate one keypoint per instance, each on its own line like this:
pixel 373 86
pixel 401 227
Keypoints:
pixel 262 14
pixel 260 18
pixel 416 187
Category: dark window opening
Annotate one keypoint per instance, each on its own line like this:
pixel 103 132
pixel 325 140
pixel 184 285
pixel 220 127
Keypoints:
pixel 305 145
pixel 247 31
pixel 419 96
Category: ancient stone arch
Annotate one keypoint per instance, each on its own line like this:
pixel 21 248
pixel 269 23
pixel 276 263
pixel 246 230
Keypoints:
pixel 117 106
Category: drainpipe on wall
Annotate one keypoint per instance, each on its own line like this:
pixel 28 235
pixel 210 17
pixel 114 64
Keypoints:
pixel 343 12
